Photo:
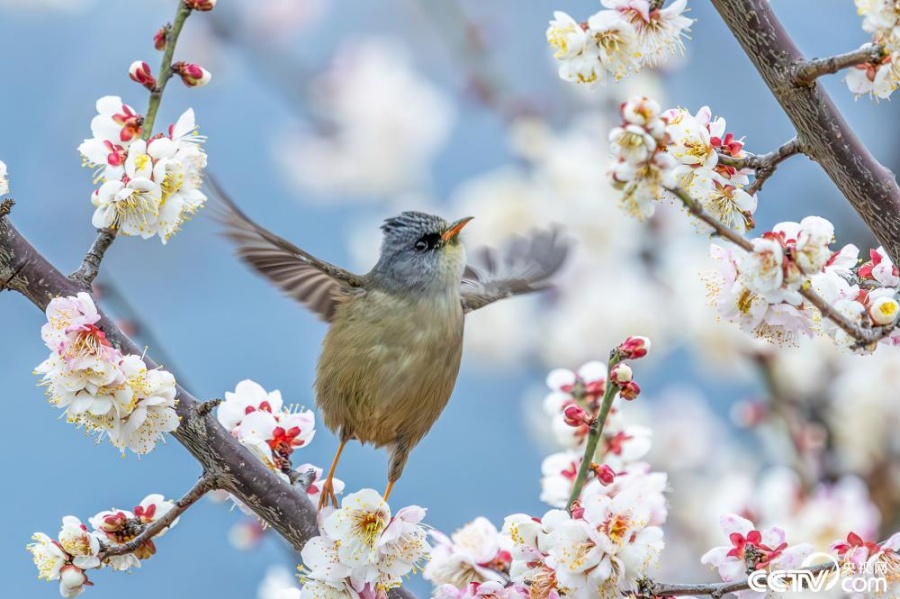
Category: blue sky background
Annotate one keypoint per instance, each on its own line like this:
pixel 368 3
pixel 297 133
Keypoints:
pixel 219 324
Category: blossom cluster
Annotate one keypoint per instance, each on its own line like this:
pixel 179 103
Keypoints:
pixel 77 549
pixel 149 185
pixel 881 18
pixel 610 535
pixel 654 150
pixel 363 549
pixel 761 289
pixel 751 549
pixel 100 388
pixel 261 422
pixel 618 41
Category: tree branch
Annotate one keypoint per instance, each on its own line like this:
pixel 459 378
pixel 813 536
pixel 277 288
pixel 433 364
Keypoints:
pixel 764 165
pixel 869 187
pixel 863 337
pixel 805 73
pixel 649 589
pixel 90 266
pixel 275 501
pixel 203 485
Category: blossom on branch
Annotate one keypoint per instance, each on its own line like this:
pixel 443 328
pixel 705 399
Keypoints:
pixel 363 549
pixel 108 393
pixel 147 187
pixel 472 554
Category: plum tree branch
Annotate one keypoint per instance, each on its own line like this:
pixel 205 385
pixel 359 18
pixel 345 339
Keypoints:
pixel 203 485
pixel 764 165
pixel 863 337
pixel 805 73
pixel 282 506
pixel 821 129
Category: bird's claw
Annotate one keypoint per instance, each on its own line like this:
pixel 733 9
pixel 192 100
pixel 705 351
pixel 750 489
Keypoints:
pixel 327 494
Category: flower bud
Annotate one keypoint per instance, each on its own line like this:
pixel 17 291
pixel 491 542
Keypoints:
pixel 193 75
pixel 577 510
pixel 634 347
pixel 621 373
pixel 72 579
pixel 574 415
pixel 884 310
pixel 604 473
pixel 139 72
pixel 160 38
pixel 114 522
pixel 629 390
pixel 200 5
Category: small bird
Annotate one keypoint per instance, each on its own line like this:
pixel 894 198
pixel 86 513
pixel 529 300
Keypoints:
pixel 391 355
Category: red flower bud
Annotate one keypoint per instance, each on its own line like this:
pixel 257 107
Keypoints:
pixel 575 415
pixel 139 72
pixel 629 390
pixel 160 38
pixel 634 348
pixel 192 75
pixel 200 5
pixel 604 473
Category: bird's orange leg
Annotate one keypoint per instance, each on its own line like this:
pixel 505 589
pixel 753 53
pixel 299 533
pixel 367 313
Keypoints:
pixel 328 486
pixel 387 491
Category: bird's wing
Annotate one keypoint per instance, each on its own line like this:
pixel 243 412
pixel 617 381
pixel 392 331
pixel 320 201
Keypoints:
pixel 315 283
pixel 523 265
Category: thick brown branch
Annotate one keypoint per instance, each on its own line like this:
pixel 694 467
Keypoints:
pixel 90 266
pixel 869 187
pixel 805 73
pixel 275 501
pixel 864 338
pixel 203 485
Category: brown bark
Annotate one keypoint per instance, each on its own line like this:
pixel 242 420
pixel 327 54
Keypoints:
pixel 824 135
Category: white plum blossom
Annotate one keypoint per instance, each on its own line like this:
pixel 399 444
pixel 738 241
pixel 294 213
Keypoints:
pixel 616 42
pixel 363 549
pixel 72 581
pixel 79 543
pixel 147 187
pixel 659 30
pixel 48 555
pixel 752 549
pixel 100 388
pixel 471 554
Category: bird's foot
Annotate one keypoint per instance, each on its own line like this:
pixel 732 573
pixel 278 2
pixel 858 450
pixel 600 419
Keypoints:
pixel 327 494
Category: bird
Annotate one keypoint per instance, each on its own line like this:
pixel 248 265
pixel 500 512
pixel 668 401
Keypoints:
pixel 390 358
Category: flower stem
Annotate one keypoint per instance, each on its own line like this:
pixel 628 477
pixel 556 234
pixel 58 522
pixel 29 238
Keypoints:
pixel 596 430
pixel 165 67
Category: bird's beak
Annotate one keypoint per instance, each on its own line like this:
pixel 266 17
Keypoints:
pixel 453 230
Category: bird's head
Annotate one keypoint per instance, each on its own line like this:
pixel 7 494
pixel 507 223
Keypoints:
pixel 421 251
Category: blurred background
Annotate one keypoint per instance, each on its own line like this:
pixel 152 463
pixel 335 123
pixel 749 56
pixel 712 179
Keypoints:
pixel 325 117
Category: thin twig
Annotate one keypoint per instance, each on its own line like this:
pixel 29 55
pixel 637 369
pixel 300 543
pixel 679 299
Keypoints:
pixel 595 431
pixel 863 337
pixel 203 485
pixel 6 206
pixel 649 589
pixel 764 165
pixel 90 266
pixel 805 73
pixel 165 67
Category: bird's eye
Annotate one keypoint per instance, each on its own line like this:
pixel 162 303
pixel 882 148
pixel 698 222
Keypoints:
pixel 428 242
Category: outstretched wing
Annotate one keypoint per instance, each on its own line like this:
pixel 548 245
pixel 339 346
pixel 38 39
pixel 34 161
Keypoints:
pixel 523 265
pixel 315 283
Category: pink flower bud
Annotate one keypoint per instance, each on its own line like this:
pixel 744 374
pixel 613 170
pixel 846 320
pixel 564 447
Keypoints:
pixel 577 510
pixel 604 473
pixel 114 522
pixel 200 5
pixel 629 390
pixel 160 38
pixel 634 347
pixel 621 373
pixel 139 72
pixel 575 415
pixel 193 75
pixel 71 580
